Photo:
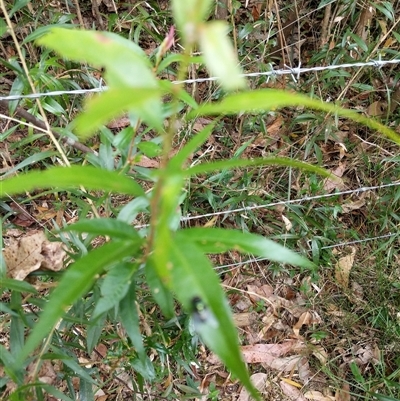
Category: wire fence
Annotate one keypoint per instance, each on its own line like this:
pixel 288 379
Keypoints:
pixel 292 201
pixel 231 266
pixel 298 201
pixel 294 72
pixel 289 202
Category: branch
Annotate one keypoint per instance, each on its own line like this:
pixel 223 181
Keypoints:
pixel 22 113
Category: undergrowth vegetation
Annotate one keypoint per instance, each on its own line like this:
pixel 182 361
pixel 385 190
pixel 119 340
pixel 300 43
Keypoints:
pixel 154 226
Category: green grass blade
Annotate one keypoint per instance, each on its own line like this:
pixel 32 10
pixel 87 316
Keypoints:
pixel 8 362
pixel 271 99
pixel 17 285
pixel 281 161
pixel 30 160
pixel 76 281
pixel 130 319
pixel 74 176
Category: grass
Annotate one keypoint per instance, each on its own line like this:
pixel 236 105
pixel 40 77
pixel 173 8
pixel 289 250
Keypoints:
pixel 358 327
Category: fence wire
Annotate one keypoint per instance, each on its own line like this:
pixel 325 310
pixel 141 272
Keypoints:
pixel 294 72
pixel 231 266
pixel 291 201
pixel 288 202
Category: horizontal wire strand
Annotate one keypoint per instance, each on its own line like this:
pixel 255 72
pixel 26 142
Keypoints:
pixel 295 72
pixel 288 202
pixel 340 244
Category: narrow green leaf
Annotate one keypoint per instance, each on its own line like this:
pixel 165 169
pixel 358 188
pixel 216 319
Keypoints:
pixel 195 281
pixel 173 58
pixel 86 390
pixel 114 287
pixel 217 240
pixel 57 394
pixel 76 281
pixel 16 285
pixel 17 328
pixel 78 370
pixel 169 87
pixel 74 176
pixel 169 201
pixel 28 161
pixel 382 397
pixel 160 292
pixel 17 6
pixel 220 56
pixel 233 163
pixel 129 212
pixel 149 149
pixel 271 99
pixel 94 331
pixel 105 226
pixel 145 367
pixel 130 319
pixel 8 362
pixel 3 28
pixel 386 8
pixel 5 309
pixel 43 30
pixel 143 102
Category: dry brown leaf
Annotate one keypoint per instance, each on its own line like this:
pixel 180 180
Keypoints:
pixel 259 381
pixel 265 291
pixel 148 163
pixel 200 123
pixel 363 355
pixel 244 319
pixel 120 122
pixel 318 396
pixel 290 365
pixel 377 108
pixel 31 252
pixel 21 218
pixel 357 291
pixel 292 392
pixel 274 128
pixel 287 222
pixel 331 184
pixel 306 318
pixel 343 268
pixel 344 393
pixel 320 354
pixel 292 382
pixel 47 374
pixel 285 364
pixel 353 205
pixel 267 353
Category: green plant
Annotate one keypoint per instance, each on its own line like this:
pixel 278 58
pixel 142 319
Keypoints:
pixel 174 261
